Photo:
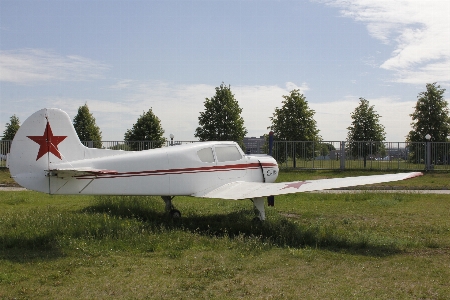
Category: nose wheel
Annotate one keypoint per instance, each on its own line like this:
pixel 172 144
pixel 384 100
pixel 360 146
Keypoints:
pixel 170 209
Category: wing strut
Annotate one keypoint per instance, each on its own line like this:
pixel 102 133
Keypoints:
pixel 90 181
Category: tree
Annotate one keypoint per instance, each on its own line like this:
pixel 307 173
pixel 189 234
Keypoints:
pixel 86 128
pixel 147 128
pixel 11 128
pixel 325 148
pixel 8 135
pixel 294 121
pixel 365 128
pixel 430 117
pixel 124 147
pixel 221 120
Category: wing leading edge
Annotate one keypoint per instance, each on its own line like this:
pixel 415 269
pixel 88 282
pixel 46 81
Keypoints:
pixel 245 190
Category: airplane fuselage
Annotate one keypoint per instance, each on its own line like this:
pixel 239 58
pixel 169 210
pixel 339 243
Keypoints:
pixel 174 171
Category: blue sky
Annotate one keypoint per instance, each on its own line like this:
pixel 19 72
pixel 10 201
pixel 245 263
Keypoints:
pixel 124 57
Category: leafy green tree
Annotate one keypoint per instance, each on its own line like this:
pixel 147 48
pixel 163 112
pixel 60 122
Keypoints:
pixel 123 147
pixel 325 148
pixel 431 116
pixel 86 128
pixel 365 128
pixel 221 120
pixel 146 133
pixel 9 133
pixel 294 121
pixel 11 128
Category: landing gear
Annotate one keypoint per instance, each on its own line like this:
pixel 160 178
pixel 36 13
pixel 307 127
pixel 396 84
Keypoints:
pixel 170 209
pixel 258 204
pixel 175 214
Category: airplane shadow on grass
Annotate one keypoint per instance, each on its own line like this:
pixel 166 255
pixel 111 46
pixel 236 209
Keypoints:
pixel 24 249
pixel 277 230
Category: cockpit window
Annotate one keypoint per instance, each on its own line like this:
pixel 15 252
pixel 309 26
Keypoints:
pixel 228 153
pixel 206 155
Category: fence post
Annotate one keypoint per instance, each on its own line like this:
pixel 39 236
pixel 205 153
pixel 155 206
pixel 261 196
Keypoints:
pixel 313 153
pixel 295 154
pixel 271 199
pixel 286 153
pixel 342 156
pixel 271 143
pixel 428 156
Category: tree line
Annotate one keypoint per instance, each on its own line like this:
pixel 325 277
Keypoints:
pixel 293 121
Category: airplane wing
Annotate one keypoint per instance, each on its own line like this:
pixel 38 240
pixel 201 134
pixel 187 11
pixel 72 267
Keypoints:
pixel 245 190
pixel 73 172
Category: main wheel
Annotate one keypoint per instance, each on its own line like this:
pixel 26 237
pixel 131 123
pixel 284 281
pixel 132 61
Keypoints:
pixel 256 220
pixel 175 214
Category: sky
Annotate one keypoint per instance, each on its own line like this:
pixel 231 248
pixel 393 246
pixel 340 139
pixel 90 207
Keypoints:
pixel 124 57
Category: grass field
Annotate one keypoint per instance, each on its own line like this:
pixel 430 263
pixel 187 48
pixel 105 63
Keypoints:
pixel 346 246
pixel 5 178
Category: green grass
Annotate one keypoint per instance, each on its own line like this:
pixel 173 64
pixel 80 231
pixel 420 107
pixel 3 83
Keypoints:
pixel 5 178
pixel 351 246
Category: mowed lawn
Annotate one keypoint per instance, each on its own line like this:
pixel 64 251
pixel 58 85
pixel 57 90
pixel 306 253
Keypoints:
pixel 312 246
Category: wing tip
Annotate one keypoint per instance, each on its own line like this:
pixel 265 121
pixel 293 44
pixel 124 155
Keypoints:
pixel 413 175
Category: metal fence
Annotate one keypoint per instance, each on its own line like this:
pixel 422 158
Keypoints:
pixel 328 155
pixel 368 155
pixel 4 149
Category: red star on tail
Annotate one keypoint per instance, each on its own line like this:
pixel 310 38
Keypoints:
pixel 48 142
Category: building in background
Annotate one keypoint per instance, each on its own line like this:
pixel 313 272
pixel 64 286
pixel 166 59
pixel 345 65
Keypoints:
pixel 254 145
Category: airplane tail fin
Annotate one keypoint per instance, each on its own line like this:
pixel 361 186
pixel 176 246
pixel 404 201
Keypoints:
pixel 46 138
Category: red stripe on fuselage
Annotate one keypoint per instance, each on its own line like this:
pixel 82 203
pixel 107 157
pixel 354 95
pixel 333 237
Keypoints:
pixel 226 168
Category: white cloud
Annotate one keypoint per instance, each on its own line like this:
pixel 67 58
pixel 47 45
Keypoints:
pixel 419 31
pixel 292 86
pixel 27 66
pixel 123 84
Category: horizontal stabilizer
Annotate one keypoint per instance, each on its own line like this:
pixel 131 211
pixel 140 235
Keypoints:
pixel 244 190
pixel 72 172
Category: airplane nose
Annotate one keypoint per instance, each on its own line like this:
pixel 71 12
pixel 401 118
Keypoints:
pixel 276 169
pixel 269 168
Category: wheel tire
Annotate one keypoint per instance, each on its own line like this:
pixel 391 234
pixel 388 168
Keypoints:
pixel 175 214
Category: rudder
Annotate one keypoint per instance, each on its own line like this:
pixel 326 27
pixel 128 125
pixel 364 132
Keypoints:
pixel 46 138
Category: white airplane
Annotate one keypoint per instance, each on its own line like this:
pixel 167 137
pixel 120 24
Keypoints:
pixel 47 156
